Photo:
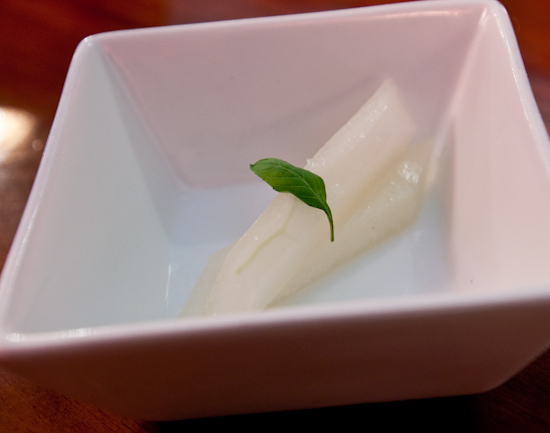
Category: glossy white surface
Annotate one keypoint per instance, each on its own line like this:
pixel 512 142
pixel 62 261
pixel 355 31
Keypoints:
pixel 146 173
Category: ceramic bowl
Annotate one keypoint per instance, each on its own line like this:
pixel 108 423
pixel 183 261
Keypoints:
pixel 145 174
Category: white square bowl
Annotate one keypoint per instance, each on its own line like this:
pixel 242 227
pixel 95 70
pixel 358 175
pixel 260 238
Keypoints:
pixel 146 173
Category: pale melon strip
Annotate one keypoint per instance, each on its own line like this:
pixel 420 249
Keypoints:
pixel 392 204
pixel 274 251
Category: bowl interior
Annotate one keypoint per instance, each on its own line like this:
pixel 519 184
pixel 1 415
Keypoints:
pixel 146 169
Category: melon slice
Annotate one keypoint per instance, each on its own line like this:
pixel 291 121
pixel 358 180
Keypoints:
pixel 367 172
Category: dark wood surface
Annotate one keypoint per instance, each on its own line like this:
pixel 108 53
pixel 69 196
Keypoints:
pixel 37 40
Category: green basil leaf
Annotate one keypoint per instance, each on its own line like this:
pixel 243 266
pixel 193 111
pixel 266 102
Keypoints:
pixel 305 185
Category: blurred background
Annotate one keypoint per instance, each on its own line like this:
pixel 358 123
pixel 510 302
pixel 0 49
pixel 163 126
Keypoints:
pixel 37 40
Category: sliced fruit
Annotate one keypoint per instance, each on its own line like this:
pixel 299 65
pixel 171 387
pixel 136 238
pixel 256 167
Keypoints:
pixel 288 246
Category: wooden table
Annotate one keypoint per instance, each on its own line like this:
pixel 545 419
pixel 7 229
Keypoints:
pixel 37 39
